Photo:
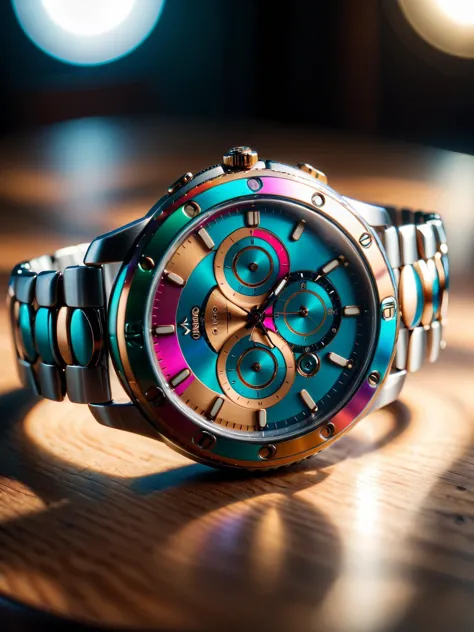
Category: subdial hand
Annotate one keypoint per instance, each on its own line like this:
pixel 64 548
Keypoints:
pixel 256 316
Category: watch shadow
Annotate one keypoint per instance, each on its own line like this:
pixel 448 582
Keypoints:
pixel 218 549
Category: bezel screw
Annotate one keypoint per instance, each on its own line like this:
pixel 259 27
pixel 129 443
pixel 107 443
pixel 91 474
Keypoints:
pixel 374 379
pixel 205 440
pixel 365 240
pixel 318 200
pixel 192 209
pixel 155 396
pixel 267 452
pixel 328 431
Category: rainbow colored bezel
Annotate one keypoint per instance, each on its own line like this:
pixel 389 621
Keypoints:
pixel 129 321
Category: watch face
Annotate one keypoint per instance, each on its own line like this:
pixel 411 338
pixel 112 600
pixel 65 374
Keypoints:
pixel 262 319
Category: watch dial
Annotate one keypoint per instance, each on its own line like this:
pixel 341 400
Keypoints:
pixel 262 319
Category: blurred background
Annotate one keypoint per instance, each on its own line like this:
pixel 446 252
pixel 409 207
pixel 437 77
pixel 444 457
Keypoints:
pixel 390 68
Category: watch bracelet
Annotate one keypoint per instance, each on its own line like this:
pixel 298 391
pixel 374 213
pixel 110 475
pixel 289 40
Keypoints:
pixel 416 247
pixel 57 310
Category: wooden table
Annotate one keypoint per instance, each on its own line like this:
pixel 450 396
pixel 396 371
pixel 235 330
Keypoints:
pixel 375 534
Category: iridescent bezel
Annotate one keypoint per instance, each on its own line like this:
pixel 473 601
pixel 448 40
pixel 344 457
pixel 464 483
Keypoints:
pixel 129 321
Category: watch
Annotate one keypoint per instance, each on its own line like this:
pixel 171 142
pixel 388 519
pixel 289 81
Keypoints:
pixel 249 320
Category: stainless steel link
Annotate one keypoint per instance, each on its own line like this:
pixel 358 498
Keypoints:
pixel 416 244
pixel 58 313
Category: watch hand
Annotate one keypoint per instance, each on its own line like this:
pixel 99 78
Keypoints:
pixel 273 295
pixel 260 333
pixel 256 315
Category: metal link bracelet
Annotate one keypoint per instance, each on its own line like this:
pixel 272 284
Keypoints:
pixel 57 308
pixel 417 249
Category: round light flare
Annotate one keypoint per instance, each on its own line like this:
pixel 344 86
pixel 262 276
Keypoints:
pixel 88 17
pixel 88 32
pixel 459 11
pixel 447 25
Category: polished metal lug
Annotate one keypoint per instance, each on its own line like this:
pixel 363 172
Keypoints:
pixel 124 416
pixel 375 216
pixel 390 390
pixel 112 247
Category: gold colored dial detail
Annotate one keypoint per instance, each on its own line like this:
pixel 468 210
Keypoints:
pixel 223 373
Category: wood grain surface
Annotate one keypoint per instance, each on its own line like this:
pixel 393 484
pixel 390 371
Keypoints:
pixel 375 534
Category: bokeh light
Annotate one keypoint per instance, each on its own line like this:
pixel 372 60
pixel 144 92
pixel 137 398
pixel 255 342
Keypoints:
pixel 459 11
pixel 88 32
pixel 88 17
pixel 447 25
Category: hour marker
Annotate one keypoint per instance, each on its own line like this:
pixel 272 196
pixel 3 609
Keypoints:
pixel 281 286
pixel 262 418
pixel 207 239
pixel 296 234
pixel 335 358
pixel 253 218
pixel 175 278
pixel 180 377
pixel 309 401
pixel 216 408
pixel 351 310
pixel 332 265
pixel 162 330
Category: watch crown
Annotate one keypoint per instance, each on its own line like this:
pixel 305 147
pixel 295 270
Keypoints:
pixel 240 158
pixel 312 171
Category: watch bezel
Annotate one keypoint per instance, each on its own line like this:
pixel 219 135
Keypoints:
pixel 128 322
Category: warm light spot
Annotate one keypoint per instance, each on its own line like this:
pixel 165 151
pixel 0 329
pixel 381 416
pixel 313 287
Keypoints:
pixel 459 11
pixel 445 24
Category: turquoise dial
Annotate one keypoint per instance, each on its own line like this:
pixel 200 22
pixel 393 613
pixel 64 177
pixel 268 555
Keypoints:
pixel 263 318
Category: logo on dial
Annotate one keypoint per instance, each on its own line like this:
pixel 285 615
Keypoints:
pixel 194 329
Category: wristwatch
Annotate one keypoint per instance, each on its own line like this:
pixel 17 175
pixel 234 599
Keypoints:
pixel 252 317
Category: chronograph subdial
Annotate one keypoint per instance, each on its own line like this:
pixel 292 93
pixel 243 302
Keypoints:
pixel 307 313
pixel 247 265
pixel 253 374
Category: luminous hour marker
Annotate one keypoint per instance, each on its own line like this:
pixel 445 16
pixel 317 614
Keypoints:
pixel 332 265
pixel 309 401
pixel 216 408
pixel 281 286
pixel 262 418
pixel 180 377
pixel 253 218
pixel 296 234
pixel 351 310
pixel 207 239
pixel 335 358
pixel 162 330
pixel 175 278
